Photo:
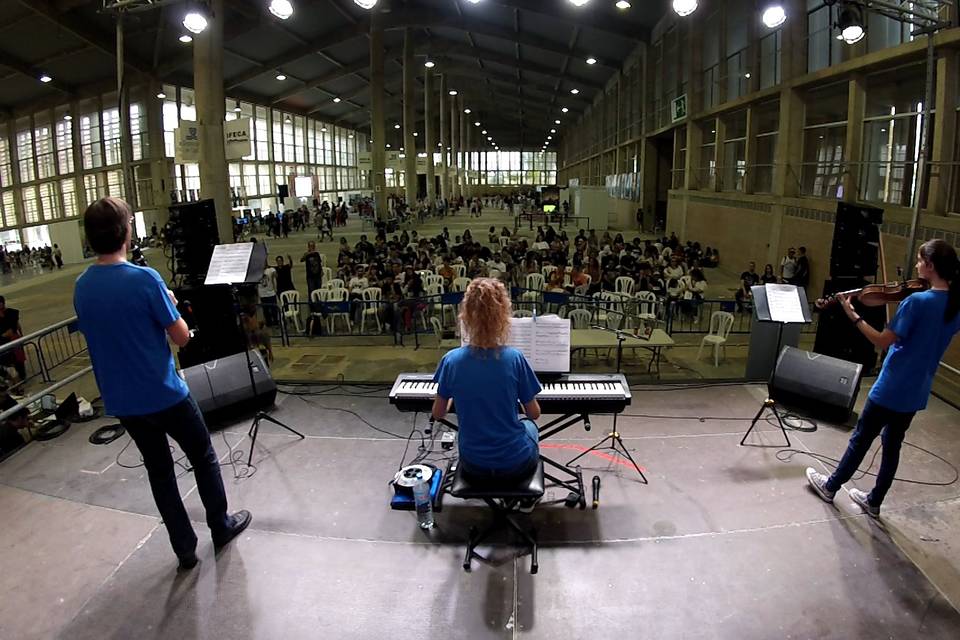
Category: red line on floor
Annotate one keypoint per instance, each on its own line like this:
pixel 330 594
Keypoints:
pixel 600 454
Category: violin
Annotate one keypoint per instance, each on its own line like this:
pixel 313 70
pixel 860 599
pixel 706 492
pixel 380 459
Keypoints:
pixel 875 295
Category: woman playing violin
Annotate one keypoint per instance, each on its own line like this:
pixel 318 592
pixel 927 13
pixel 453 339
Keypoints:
pixel 916 338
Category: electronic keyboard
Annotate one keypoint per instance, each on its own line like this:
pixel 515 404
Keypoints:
pixel 573 393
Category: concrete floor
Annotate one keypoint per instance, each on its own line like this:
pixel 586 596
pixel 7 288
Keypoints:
pixel 725 541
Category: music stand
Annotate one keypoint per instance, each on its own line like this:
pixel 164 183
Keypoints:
pixel 772 311
pixel 233 265
pixel 616 443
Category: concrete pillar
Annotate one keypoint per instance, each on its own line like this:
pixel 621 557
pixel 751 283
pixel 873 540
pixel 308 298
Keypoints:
pixel 692 168
pixel 429 140
pixel 467 161
pixel 750 153
pixel 78 186
pixel 853 146
pixel 208 89
pixel 444 139
pixel 161 172
pixel 461 165
pixel 15 168
pixel 378 156
pixel 943 175
pixel 454 149
pixel 793 46
pixel 787 168
pixel 409 119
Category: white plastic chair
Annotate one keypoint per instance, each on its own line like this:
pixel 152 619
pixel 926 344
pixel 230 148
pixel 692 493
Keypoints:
pixel 371 307
pixel 338 295
pixel 327 275
pixel 504 242
pixel 334 283
pixel 721 322
pixel 580 318
pixel 647 305
pixel 432 278
pixel 522 313
pixel 459 284
pixel 460 270
pixel 535 281
pixel 625 284
pixel 290 303
pixel 547 270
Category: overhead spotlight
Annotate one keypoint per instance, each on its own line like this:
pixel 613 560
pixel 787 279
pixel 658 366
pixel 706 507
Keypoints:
pixel 365 4
pixel 350 135
pixel 684 7
pixel 396 126
pixel 186 39
pixel 746 75
pixel 489 137
pixel 281 77
pixel 287 119
pixel 422 154
pixel 195 21
pixel 549 137
pixel 564 110
pixel 484 132
pixel 574 91
pixel 403 155
pixel 45 79
pixel 452 92
pixel 579 3
pixel 236 108
pixel 553 130
pixel 774 16
pixel 415 134
pixel 467 111
pixel 477 123
pixel 323 129
pixel 281 8
pixel 388 145
pixel 556 122
pixel 68 117
pixel 850 23
pixel 336 99
pixel 473 1
pixel 591 60
pixel 161 95
pixel 429 64
pixel 622 4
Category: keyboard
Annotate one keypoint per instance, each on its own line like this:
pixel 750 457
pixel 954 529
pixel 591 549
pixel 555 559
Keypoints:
pixel 569 394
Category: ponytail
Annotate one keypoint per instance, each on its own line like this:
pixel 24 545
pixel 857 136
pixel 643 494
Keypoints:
pixel 944 259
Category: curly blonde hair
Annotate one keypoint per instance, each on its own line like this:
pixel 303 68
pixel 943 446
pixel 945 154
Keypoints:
pixel 485 313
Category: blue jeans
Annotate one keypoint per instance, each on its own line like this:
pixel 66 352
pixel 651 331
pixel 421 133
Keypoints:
pixel 522 470
pixel 892 427
pixel 184 423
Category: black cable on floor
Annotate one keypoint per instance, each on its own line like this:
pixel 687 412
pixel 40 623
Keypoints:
pixel 349 411
pixel 785 455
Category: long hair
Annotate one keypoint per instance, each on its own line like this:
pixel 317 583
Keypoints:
pixel 485 313
pixel 943 257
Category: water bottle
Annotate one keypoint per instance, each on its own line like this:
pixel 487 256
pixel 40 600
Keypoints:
pixel 421 498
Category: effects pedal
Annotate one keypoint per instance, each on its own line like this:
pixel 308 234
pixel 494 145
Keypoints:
pixel 447 438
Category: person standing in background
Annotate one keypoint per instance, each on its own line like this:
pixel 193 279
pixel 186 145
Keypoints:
pixel 802 276
pixel 314 267
pixel 267 291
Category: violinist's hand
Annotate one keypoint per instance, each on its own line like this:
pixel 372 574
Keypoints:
pixel 848 307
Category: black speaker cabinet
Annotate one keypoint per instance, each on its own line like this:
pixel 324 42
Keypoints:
pixel 840 338
pixel 815 384
pixel 856 241
pixel 224 384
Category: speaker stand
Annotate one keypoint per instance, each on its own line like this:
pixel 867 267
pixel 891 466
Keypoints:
pixel 255 429
pixel 770 404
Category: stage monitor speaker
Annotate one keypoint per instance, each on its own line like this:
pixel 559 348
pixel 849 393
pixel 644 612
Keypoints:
pixel 211 311
pixel 815 384
pixel 224 385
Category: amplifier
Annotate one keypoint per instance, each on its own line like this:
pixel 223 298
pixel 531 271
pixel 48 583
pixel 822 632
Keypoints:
pixel 225 384
pixel 815 384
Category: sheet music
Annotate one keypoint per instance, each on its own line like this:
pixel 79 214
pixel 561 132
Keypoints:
pixel 229 263
pixel 544 341
pixel 784 303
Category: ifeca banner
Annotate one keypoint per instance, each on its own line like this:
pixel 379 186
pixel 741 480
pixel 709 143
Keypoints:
pixel 236 138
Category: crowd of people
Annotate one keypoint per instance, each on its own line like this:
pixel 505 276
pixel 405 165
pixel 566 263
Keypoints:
pixel 794 269
pixel 45 257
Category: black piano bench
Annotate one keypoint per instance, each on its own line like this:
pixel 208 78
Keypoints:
pixel 504 500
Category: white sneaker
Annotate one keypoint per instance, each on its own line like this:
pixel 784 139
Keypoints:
pixel 819 483
pixel 861 499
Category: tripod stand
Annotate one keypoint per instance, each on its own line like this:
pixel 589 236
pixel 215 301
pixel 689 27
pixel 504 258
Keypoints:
pixel 612 441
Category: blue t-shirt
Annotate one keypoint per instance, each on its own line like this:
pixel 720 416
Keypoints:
pixel 485 385
pixel 123 312
pixel 922 337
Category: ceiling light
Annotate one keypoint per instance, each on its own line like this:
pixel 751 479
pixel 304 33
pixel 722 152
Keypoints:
pixel 622 4
pixel 473 1
pixel 574 91
pixel 161 95
pixel 477 123
pixel 684 7
pixel 396 126
pixel 336 99
pixel 422 154
pixel 484 132
pixel 415 134
pixel 195 21
pixel 402 156
pixel 549 137
pixel 746 75
pixel 429 64
pixel 45 79
pixel 350 135
pixel 452 92
pixel 774 16
pixel 388 145
pixel 323 129
pixel 591 60
pixel 287 119
pixel 556 122
pixel 365 4
pixel 68 117
pixel 281 77
pixel 564 110
pixel 579 3
pixel 850 23
pixel 281 8
pixel 489 137
pixel 467 111
pixel 553 130
pixel 186 39
pixel 236 108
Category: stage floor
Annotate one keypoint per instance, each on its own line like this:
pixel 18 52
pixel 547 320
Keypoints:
pixel 725 541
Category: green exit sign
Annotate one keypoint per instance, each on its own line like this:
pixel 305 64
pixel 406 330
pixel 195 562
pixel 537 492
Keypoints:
pixel 679 107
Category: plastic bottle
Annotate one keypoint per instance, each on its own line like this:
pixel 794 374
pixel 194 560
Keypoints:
pixel 421 498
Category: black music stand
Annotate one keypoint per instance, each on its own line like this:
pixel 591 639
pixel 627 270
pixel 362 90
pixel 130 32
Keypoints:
pixel 762 307
pixel 233 265
pixel 616 443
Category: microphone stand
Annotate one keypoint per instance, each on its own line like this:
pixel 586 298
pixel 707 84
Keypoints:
pixel 616 443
